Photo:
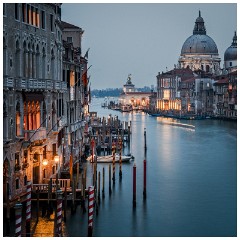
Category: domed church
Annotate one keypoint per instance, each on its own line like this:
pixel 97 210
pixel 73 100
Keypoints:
pixel 230 55
pixel 200 51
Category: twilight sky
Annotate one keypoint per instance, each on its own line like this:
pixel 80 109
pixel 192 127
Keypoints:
pixel 143 39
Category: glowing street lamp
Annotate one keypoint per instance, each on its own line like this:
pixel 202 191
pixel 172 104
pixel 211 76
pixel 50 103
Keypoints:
pixel 45 162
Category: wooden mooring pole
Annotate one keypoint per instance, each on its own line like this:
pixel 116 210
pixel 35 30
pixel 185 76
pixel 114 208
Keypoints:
pixel 28 209
pixel 144 178
pixel 110 188
pixel 18 219
pixel 103 183
pixel 65 205
pixel 134 185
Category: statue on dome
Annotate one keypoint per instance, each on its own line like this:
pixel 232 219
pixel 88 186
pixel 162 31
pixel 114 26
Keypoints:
pixel 129 79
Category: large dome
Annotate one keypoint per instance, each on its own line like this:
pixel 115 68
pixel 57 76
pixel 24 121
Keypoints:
pixel 199 44
pixel 231 52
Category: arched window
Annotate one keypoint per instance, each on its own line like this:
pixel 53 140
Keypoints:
pixel 38 115
pixel 4 57
pixel 18 120
pixel 44 115
pixel 52 65
pixel 54 116
pixel 207 68
pixel 25 55
pixel 37 61
pixel 33 62
pixel 43 63
pixel 5 121
pixel 29 61
pixel 17 60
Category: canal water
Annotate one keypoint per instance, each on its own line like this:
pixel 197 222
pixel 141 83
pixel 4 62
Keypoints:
pixel 191 181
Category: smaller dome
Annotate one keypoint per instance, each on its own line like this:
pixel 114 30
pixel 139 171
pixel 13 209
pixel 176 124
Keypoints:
pixel 231 52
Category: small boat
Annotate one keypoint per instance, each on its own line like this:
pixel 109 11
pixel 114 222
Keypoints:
pixel 109 158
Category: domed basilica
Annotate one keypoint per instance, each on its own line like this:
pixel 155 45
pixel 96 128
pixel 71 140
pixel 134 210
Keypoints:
pixel 200 51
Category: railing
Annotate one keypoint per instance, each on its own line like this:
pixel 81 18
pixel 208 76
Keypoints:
pixel 62 183
pixel 33 135
pixel 8 82
pixel 40 187
pixel 43 187
pixel 34 84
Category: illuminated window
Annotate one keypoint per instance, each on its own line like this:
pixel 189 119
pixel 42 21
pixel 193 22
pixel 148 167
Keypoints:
pixel 166 94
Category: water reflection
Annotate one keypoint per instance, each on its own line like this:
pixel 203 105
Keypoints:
pixel 191 182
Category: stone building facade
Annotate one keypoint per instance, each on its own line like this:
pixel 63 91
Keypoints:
pixel 38 98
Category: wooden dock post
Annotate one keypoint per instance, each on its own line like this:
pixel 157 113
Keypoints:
pixel 77 174
pixel 134 185
pixel 144 179
pixel 110 188
pixel 49 198
pixel 113 162
pixel 37 203
pixel 28 209
pixel 83 195
pixel 18 219
pixel 59 212
pixel 120 159
pixel 65 204
pixel 145 141
pixel 99 179
pixel 73 209
pixel 103 183
pixel 90 210
pixel 8 218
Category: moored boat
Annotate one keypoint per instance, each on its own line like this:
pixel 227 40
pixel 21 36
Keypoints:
pixel 109 158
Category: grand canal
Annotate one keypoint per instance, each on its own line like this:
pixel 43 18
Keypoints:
pixel 191 181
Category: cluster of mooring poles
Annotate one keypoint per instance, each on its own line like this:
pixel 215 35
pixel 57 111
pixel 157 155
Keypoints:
pixel 93 192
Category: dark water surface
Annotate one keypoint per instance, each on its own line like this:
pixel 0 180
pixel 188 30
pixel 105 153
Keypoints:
pixel 191 181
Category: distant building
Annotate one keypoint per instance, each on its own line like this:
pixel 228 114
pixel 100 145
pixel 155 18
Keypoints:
pixel 199 51
pixel 130 97
pixel 198 85
pixel 226 84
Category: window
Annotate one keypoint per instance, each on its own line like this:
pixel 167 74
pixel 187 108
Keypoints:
pixel 230 64
pixel 17 183
pixel 43 25
pixel 51 22
pixel 28 14
pixel 36 18
pixel 4 9
pixel 45 152
pixel 24 13
pixel 16 11
pixel 33 16
pixel 54 149
pixel 207 68
pixel 69 39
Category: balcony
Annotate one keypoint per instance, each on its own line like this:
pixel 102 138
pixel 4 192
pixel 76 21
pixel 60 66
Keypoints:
pixel 34 84
pixel 8 82
pixel 33 135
